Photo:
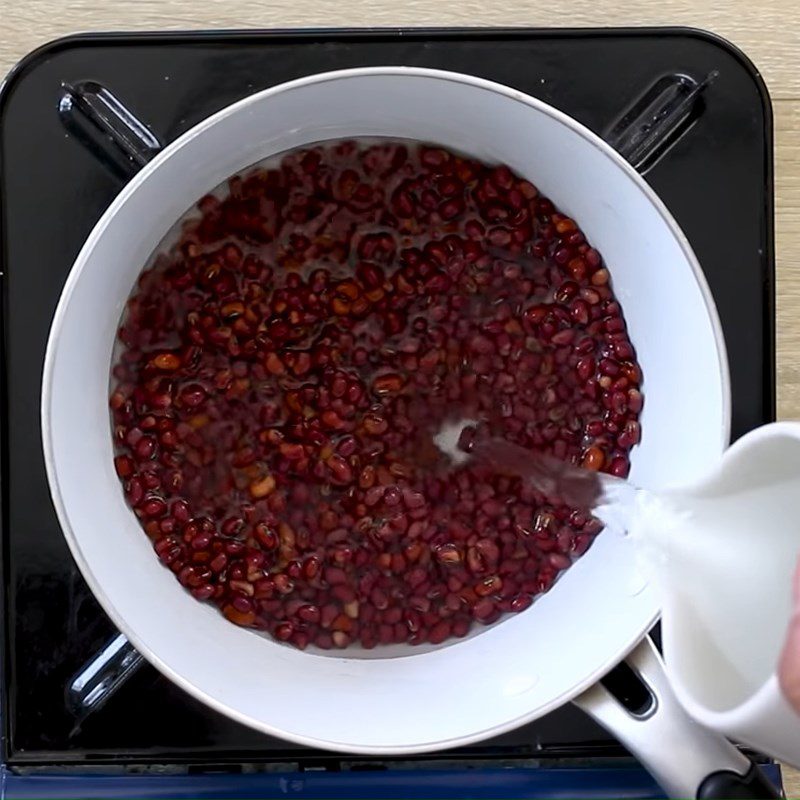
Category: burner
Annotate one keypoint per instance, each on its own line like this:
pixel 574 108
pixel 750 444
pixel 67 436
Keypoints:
pixel 79 117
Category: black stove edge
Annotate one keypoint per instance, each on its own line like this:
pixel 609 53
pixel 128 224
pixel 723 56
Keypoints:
pixel 5 659
pixel 329 761
pixel 256 35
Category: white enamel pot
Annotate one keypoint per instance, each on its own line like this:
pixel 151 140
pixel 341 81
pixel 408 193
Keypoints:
pixel 513 672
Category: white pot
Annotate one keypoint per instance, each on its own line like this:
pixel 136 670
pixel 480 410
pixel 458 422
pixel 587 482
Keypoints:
pixel 511 673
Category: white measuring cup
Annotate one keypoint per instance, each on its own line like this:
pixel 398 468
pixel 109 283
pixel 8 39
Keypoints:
pixel 722 554
pixel 723 557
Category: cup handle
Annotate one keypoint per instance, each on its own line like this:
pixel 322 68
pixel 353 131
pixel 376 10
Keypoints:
pixel 686 759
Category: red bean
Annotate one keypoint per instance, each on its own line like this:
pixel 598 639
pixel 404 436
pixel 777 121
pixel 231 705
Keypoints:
pixel 284 367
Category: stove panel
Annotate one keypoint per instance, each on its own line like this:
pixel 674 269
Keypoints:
pixel 686 108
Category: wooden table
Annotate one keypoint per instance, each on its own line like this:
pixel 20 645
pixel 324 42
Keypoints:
pixel 768 31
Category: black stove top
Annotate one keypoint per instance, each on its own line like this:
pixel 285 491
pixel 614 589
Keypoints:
pixel 706 148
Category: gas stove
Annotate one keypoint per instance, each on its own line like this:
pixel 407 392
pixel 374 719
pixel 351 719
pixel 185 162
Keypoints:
pixel 83 714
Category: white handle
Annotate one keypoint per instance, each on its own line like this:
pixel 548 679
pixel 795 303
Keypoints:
pixel 678 753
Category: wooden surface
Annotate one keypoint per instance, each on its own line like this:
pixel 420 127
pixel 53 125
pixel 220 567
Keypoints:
pixel 767 30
